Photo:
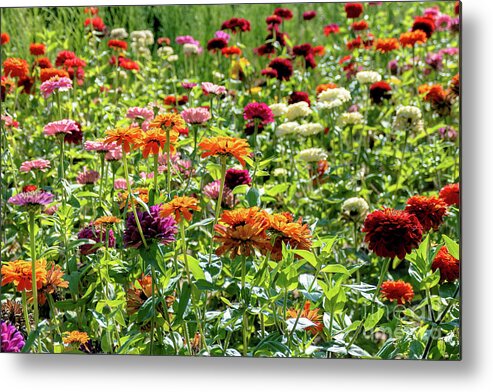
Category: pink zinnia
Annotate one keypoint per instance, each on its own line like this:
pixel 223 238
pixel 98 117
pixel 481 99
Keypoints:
pixel 9 121
pixel 55 83
pixel 212 189
pixel 115 154
pixel 443 22
pixel 258 111
pixel 37 164
pixel 87 177
pixel 120 183
pixel 211 88
pixel 140 113
pixel 99 146
pixel 196 115
pixel 65 126
pixel 188 85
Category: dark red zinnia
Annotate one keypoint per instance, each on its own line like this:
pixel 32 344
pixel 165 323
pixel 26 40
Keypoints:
pixel 425 24
pixel 450 194
pixel 75 136
pixel 264 49
pixel 302 50
pixel 5 39
pixel 29 188
pixel 353 10
pixel 284 13
pixel 216 44
pixel 391 233
pixel 398 291
pixel 429 210
pixel 448 265
pixel 273 20
pixel 236 25
pixel 299 96
pixel 269 72
pixel 380 91
pixel 309 15
pixel 283 67
pixel 359 25
pixel 236 177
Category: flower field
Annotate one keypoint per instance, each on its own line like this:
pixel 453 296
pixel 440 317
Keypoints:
pixel 234 180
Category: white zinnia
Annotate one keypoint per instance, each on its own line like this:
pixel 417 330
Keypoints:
pixel 310 129
pixel 119 33
pixel 355 208
pixel 313 154
pixel 287 128
pixel 352 118
pixel 189 49
pixel 298 109
pixel 165 51
pixel 408 118
pixel 278 109
pixel 279 172
pixel 368 77
pixel 333 98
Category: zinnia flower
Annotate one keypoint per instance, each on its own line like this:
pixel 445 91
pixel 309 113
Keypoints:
pixel 212 191
pixel 5 39
pixel 313 154
pixel 100 235
pixel 117 44
pixel 168 121
pixel 309 15
pixel 408 118
pixel 450 194
pixel 15 67
pixel 137 113
pixel 125 137
pixel 76 337
pixel 331 29
pixel 154 228
pixel 236 25
pixel 368 77
pixel 225 146
pixel 412 38
pixel 283 68
pixel 49 73
pixel 87 177
pixel 37 49
pixel 154 140
pixel 236 177
pixel 284 230
pixel 11 339
pixel 56 83
pixel 380 91
pixel 448 265
pixel 54 280
pixel 353 10
pixel 278 109
pixel 424 24
pixel 258 111
pixel 180 207
pixel 386 45
pixel 196 115
pixel 31 199
pixel 355 209
pixel 37 164
pixel 19 272
pixel 211 88
pixel 312 315
pixel 55 128
pixel 429 210
pixel 350 118
pixel 398 291
pixel 391 233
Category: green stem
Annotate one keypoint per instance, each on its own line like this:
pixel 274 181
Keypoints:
pixel 130 195
pixel 32 218
pixel 101 183
pixel 168 163
pixel 25 312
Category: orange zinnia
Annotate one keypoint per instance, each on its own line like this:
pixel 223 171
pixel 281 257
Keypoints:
pixel 106 221
pixel 180 207
pixel 385 45
pixel 224 146
pixel 142 194
pixel 311 315
pixel 241 240
pixel 170 121
pixel 326 86
pixel 243 216
pixel 54 280
pixel 155 139
pixel 294 234
pixel 19 272
pixel 76 337
pixel 48 73
pixel 412 38
pixel 125 137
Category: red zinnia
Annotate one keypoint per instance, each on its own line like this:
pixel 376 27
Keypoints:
pixel 37 49
pixel 236 25
pixel 424 24
pixel 398 291
pixel 450 194
pixel 302 50
pixel 448 265
pixel 331 29
pixel 359 25
pixel 117 44
pixel 5 39
pixel 429 210
pixel 353 10
pixel 216 44
pixel 309 15
pixel 230 51
pixel 63 56
pixel 391 233
pixel 273 20
pixel 380 91
pixel 283 67
pixel 43 62
pixel 96 23
pixel 48 73
pixel 284 13
pixel 15 68
pixel 298 96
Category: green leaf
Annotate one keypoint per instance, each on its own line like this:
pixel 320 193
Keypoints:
pixel 253 197
pixel 240 189
pixel 182 303
pixel 335 269
pixel 452 246
pixel 194 266
pixel 373 319
pixel 308 256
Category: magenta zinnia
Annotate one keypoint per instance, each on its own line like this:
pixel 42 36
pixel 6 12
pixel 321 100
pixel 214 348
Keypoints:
pixel 258 111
